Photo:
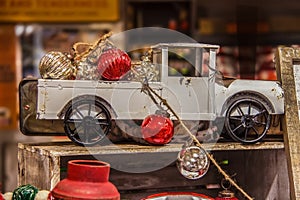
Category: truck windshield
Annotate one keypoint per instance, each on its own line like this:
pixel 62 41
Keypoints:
pixel 190 62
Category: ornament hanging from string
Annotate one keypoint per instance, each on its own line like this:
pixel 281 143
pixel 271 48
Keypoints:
pixel 192 162
pixel 148 90
pixel 226 194
pixel 157 129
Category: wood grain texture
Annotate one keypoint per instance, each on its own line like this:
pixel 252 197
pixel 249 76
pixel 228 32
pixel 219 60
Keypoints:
pixel 259 167
pixel 38 167
pixel 69 148
pixel 285 56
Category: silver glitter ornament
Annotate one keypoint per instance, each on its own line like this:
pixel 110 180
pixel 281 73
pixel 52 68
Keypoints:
pixel 144 70
pixel 87 66
pixel 56 65
pixel 192 162
pixel 86 62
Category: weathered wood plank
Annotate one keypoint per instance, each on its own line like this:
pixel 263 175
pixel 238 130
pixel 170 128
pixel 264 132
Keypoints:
pixel 38 169
pixel 44 164
pixel 285 58
pixel 68 148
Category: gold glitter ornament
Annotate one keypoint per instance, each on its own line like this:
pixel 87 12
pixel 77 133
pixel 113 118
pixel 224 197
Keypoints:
pixel 56 65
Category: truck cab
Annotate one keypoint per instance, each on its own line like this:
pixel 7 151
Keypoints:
pixel 188 78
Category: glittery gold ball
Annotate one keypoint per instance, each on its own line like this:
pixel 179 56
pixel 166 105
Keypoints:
pixel 56 65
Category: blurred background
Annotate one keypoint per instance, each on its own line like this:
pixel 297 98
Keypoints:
pixel 248 32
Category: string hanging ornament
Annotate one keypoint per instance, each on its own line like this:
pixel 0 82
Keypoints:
pixel 157 129
pixel 195 142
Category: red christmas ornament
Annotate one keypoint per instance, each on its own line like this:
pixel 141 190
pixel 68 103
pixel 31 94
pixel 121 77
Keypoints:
pixel 157 129
pixel 113 64
pixel 1 197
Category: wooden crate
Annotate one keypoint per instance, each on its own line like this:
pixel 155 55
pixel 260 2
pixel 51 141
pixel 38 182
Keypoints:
pixel 261 168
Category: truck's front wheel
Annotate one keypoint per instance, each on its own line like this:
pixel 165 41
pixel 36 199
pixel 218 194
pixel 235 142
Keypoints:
pixel 87 122
pixel 247 120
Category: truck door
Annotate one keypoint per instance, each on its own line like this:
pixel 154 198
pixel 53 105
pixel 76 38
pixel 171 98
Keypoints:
pixel 189 82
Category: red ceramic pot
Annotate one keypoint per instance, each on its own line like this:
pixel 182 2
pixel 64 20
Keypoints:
pixel 178 196
pixel 86 179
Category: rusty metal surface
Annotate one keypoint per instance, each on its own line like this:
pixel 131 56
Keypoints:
pixel 29 125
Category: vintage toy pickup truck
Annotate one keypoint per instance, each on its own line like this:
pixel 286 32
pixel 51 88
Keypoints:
pixel 88 107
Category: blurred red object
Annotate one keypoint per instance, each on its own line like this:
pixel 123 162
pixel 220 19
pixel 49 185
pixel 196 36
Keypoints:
pixel 267 75
pixel 178 196
pixel 86 179
pixel 157 129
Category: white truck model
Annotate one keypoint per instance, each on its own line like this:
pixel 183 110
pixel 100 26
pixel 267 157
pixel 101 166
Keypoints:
pixel 88 107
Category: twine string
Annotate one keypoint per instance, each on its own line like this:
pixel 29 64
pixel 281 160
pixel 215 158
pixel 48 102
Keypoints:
pixel 152 92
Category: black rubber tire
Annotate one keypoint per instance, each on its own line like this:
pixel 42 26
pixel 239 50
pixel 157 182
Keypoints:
pixel 87 122
pixel 247 119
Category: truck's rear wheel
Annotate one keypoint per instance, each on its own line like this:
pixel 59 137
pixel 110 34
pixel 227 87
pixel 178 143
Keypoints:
pixel 247 120
pixel 87 122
